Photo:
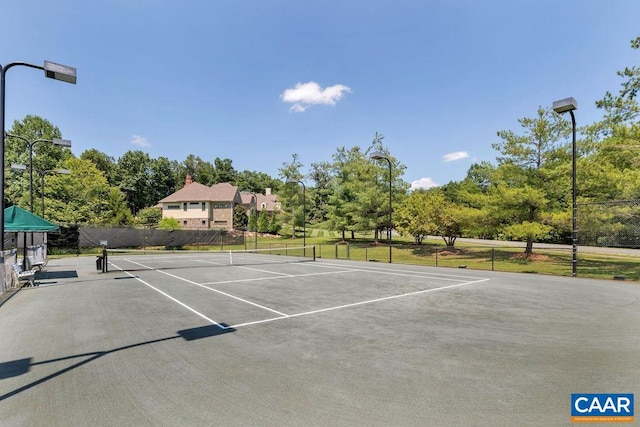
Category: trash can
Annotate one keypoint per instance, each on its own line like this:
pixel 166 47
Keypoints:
pixel 99 261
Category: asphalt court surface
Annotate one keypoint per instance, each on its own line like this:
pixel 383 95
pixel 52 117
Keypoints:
pixel 314 343
pixel 240 295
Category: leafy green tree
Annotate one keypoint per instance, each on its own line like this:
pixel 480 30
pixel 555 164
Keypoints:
pixel 321 175
pixel 162 180
pixel 116 212
pixel 263 222
pixel 527 231
pixel 46 156
pixel 80 197
pixel 453 221
pixel 385 172
pixel 622 108
pixel 253 220
pixel 149 217
pixel 529 179
pixel 134 173
pixel 353 175
pixel 240 218
pixel 291 195
pixel 275 224
pixel 415 216
pixel 429 212
pixel 224 171
pixel 200 171
pixel 103 162
pixel 257 182
pixel 169 224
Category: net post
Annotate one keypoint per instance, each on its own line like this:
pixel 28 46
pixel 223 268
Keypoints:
pixel 104 260
pixel 313 251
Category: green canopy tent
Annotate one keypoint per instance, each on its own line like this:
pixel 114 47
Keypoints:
pixel 18 220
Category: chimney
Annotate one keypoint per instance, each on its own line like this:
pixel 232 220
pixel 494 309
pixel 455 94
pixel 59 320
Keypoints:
pixel 267 191
pixel 188 180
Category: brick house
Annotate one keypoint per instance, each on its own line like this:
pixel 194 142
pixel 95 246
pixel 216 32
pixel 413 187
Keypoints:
pixel 265 202
pixel 197 205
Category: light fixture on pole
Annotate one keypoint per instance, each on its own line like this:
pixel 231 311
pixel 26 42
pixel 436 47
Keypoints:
pixel 380 156
pixel 51 70
pixel 304 220
pixel 30 145
pixel 562 106
pixel 45 173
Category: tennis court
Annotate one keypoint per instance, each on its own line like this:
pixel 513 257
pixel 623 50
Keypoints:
pixel 195 339
pixel 269 285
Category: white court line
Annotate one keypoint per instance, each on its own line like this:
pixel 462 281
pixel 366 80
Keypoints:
pixel 263 271
pixel 438 276
pixel 289 276
pixel 225 294
pixel 212 289
pixel 173 299
pixel 359 303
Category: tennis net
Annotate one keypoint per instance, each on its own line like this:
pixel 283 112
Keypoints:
pixel 158 259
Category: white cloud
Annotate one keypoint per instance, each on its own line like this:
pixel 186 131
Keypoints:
pixel 458 155
pixel 424 183
pixel 304 95
pixel 140 141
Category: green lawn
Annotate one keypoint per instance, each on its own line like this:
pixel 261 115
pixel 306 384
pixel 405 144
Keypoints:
pixel 433 253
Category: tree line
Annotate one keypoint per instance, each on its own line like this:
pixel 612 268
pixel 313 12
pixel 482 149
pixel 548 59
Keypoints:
pixel 524 195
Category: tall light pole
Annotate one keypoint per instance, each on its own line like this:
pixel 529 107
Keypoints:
pixel 45 173
pixel 30 145
pixel 52 71
pixel 304 214
pixel 255 197
pixel 562 106
pixel 379 156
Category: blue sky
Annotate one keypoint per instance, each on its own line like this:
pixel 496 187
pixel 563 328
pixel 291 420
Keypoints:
pixel 258 80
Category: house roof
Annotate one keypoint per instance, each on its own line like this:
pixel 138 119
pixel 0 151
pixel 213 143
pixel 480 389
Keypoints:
pixel 269 200
pixel 196 192
pixel 224 192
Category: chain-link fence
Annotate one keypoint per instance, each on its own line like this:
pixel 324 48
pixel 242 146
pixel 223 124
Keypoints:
pixel 76 238
pixel 609 224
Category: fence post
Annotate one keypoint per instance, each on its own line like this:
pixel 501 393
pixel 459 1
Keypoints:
pixel 493 258
pixel 436 257
pixel 348 251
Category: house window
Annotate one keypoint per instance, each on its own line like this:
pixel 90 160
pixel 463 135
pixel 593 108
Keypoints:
pixel 204 222
pixel 184 206
pixel 204 206
pixel 173 206
pixel 264 205
pixel 184 222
